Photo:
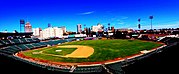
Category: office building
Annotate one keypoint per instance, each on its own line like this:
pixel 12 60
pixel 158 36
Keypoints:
pixel 79 28
pixel 28 27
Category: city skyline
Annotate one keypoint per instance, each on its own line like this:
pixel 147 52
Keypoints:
pixel 69 13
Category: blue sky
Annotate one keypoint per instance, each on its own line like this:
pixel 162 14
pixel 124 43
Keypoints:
pixel 69 13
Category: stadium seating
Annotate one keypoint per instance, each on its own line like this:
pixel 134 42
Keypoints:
pixel 43 44
pixel 30 46
pixel 172 40
pixel 164 39
pixel 12 42
pixel 16 41
pixel 6 42
pixel 11 46
pixel 1 44
pixel 115 67
pixel 23 47
pixel 35 40
pixel 89 69
pixel 55 42
pixel 70 39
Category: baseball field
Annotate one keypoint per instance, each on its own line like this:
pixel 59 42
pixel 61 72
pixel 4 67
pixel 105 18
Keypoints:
pixel 91 50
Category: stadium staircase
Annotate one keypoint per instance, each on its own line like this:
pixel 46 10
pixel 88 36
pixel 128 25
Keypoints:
pixel 73 68
pixel 107 70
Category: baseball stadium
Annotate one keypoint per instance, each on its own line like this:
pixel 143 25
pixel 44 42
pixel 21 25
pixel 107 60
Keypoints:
pixel 84 54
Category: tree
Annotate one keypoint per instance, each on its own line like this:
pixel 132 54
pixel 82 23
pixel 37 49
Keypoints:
pixel 151 17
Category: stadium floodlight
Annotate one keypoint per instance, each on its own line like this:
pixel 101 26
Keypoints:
pixel 139 26
pixel 151 17
pixel 22 22
pixel 139 20
pixel 139 23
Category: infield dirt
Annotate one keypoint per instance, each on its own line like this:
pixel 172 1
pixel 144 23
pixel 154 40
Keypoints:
pixel 80 52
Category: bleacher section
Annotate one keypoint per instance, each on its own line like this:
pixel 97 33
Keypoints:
pixel 165 39
pixel 12 46
pixel 1 44
pixel 169 40
pixel 88 69
pixel 172 40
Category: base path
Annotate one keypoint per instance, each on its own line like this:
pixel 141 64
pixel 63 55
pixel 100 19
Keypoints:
pixel 80 52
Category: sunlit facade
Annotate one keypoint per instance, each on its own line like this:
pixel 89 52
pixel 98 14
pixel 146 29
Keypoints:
pixel 97 28
pixel 79 28
pixel 37 32
pixel 52 32
pixel 28 27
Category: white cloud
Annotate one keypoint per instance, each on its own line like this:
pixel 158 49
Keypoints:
pixel 160 26
pixel 167 26
pixel 120 23
pixel 123 18
pixel 87 13
pixel 112 19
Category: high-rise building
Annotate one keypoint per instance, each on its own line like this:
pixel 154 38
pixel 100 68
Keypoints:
pixel 64 29
pixel 79 28
pixel 52 32
pixel 28 27
pixel 97 28
pixel 37 32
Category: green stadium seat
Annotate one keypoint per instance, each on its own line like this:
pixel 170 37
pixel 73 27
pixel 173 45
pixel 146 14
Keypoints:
pixel 23 47
pixel 6 42
pixel 23 40
pixel 30 46
pixel 36 45
pixel 1 44
pixel 16 41
pixel 29 40
pixel 35 39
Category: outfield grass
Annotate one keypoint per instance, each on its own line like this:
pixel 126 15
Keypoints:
pixel 103 50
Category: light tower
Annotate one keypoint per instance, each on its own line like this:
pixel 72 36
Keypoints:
pixel 22 22
pixel 151 17
pixel 139 23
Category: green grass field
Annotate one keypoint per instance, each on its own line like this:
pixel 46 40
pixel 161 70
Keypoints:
pixel 103 50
